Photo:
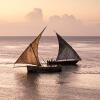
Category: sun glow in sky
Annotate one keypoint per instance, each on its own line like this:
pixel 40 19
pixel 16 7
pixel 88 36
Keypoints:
pixel 14 11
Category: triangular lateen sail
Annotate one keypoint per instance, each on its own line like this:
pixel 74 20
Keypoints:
pixel 66 52
pixel 30 55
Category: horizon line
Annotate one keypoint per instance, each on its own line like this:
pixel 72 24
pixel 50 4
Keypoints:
pixel 51 35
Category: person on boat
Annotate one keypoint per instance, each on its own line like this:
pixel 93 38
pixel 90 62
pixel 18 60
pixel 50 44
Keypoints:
pixel 51 60
pixel 47 61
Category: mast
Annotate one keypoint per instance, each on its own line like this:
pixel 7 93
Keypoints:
pixel 30 55
pixel 65 50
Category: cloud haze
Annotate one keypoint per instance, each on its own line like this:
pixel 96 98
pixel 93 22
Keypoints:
pixel 34 23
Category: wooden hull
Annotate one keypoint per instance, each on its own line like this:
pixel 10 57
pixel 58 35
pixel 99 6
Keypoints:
pixel 48 69
pixel 62 62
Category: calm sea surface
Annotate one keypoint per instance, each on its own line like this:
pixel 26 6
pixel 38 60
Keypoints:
pixel 81 82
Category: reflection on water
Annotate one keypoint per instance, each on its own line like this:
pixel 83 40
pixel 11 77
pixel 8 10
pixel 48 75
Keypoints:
pixel 57 86
pixel 29 86
pixel 43 86
pixel 16 84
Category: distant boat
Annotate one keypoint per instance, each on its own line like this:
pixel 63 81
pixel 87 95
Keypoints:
pixel 30 57
pixel 66 55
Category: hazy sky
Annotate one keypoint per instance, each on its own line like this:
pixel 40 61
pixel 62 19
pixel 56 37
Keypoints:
pixel 69 17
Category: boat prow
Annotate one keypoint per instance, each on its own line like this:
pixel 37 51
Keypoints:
pixel 44 69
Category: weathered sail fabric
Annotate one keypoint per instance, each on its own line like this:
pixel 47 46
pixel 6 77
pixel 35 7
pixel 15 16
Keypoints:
pixel 30 55
pixel 65 50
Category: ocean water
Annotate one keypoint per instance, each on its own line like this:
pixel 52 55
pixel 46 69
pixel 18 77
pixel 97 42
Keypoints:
pixel 81 82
